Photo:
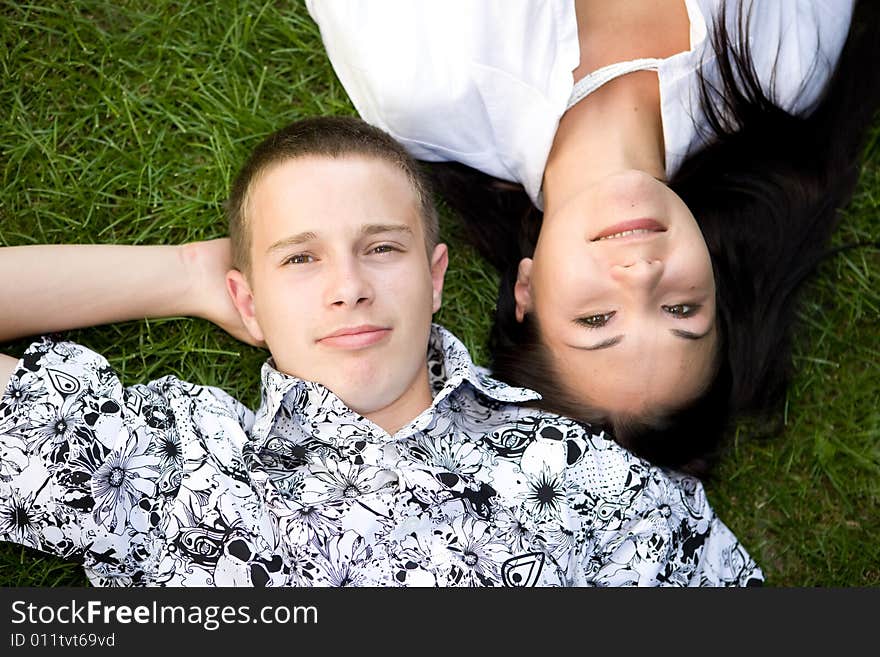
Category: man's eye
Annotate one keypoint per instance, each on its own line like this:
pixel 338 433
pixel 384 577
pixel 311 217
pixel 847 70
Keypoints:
pixel 682 309
pixel 595 321
pixel 299 259
pixel 384 248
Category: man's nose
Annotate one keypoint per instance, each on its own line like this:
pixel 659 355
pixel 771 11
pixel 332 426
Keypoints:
pixel 348 285
pixel 640 272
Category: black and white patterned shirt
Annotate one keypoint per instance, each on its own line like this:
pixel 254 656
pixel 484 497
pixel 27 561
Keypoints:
pixel 178 484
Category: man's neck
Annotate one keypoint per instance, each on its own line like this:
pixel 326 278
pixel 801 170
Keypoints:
pixel 406 407
pixel 616 128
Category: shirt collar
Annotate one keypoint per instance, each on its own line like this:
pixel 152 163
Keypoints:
pixel 450 368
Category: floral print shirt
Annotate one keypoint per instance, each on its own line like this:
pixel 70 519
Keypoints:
pixel 177 484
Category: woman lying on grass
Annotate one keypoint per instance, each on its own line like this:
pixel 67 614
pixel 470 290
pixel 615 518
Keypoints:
pixel 690 159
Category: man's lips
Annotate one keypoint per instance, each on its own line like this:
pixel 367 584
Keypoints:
pixel 634 227
pixel 355 337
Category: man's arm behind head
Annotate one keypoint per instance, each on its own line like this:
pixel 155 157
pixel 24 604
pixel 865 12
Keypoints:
pixel 67 286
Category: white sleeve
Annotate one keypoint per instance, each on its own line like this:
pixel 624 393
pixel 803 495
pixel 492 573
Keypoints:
pixel 796 45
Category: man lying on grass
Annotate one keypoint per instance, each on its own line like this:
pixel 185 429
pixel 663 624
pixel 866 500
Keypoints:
pixel 366 464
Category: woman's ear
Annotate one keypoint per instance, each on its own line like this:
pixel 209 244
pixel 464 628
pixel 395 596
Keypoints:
pixel 522 289
pixel 243 300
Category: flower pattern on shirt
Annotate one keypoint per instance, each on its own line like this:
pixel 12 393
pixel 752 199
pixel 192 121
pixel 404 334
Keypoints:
pixel 176 484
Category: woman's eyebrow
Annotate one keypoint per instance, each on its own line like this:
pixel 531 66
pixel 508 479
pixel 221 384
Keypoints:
pixel 617 339
pixel 689 335
pixel 605 344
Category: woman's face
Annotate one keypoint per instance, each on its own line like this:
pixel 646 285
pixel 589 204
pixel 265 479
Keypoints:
pixel 622 289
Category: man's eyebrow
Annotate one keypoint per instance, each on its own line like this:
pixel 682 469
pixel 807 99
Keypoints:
pixel 375 229
pixel 308 236
pixel 293 240
pixel 605 344
pixel 689 335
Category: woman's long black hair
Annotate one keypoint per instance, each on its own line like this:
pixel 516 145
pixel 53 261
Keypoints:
pixel 766 193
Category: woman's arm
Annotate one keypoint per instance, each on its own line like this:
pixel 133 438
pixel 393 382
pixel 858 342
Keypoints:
pixel 54 288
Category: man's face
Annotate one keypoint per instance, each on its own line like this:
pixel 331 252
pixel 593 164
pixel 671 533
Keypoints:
pixel 341 288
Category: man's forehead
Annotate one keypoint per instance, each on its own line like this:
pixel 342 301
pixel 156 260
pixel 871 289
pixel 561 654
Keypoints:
pixel 339 171
pixel 320 192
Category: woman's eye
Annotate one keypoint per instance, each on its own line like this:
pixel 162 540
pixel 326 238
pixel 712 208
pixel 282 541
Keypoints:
pixel 595 321
pixel 682 309
pixel 299 259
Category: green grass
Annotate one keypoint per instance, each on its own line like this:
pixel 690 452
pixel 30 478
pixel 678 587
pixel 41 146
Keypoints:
pixel 124 122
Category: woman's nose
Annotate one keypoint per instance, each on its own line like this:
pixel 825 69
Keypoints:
pixel 640 272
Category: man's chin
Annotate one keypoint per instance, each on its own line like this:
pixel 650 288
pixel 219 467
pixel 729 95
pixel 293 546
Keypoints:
pixel 366 405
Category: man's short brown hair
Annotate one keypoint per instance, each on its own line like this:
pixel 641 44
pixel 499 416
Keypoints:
pixel 328 136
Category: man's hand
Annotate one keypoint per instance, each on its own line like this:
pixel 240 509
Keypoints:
pixel 208 263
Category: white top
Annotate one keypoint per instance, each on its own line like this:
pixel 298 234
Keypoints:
pixel 485 83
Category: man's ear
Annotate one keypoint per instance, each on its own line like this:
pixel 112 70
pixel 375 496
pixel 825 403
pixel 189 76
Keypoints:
pixel 522 289
pixel 243 300
pixel 439 263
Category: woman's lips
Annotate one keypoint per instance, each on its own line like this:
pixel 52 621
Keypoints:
pixel 356 337
pixel 645 225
